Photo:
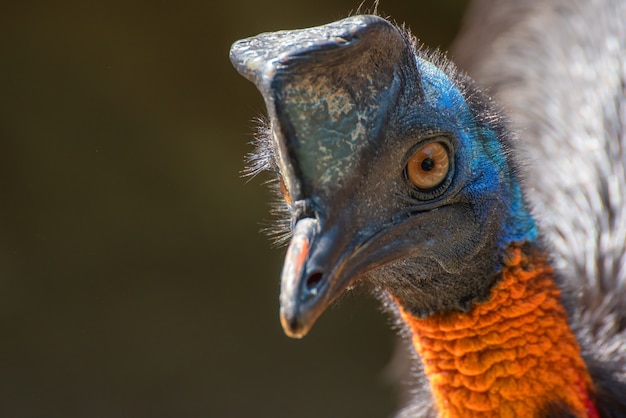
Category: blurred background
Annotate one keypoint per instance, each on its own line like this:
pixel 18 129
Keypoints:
pixel 133 279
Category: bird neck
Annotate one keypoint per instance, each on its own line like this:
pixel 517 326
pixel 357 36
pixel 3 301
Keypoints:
pixel 511 356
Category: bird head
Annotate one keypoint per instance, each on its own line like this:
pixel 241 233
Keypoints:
pixel 393 166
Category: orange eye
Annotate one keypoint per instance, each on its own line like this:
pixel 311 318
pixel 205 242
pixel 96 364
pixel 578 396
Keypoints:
pixel 428 166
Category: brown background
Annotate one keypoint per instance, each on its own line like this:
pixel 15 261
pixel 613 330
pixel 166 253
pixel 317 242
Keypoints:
pixel 133 282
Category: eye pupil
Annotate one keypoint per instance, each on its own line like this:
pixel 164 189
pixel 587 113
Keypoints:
pixel 428 164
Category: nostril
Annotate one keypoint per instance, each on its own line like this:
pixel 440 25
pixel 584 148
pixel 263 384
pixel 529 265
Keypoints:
pixel 313 280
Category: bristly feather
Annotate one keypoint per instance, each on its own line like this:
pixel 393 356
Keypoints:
pixel 279 228
pixel 263 158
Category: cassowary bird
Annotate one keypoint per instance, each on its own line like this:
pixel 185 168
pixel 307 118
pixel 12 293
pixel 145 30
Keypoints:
pixel 398 173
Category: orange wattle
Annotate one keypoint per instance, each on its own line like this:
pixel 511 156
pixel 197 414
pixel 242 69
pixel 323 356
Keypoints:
pixel 512 356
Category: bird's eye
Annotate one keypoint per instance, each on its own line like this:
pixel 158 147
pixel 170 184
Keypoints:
pixel 428 167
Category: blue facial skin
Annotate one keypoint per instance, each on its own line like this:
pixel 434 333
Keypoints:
pixel 488 167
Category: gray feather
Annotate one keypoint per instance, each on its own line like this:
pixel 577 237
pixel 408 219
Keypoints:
pixel 559 69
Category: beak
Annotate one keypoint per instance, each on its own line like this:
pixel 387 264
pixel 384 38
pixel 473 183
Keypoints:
pixel 312 276
pixel 298 289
